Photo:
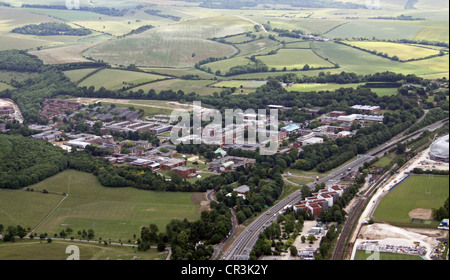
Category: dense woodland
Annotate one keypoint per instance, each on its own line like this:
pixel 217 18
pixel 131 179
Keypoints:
pixel 24 161
pixel 51 29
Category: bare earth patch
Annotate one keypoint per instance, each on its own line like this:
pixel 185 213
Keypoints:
pixel 200 198
pixel 420 213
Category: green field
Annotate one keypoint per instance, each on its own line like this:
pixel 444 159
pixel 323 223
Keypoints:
pixel 294 59
pixel 4 86
pixel 402 51
pixel 238 84
pixel 321 87
pixel 116 79
pixel 56 250
pixel 18 207
pixel 433 33
pixel 361 255
pixel 437 65
pixel 371 29
pixel 256 47
pixel 78 74
pixel 224 65
pixel 187 86
pixel 418 191
pixel 357 61
pixel 385 91
pixel 112 213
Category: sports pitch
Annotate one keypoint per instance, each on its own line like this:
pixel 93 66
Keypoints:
pixel 416 192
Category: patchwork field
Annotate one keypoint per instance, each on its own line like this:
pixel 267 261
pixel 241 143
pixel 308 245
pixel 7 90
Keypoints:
pixel 176 45
pixel 402 51
pixel 111 213
pixel 415 193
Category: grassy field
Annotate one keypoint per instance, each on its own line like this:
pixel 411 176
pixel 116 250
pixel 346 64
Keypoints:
pixel 225 65
pixel 300 180
pixel 18 207
pixel 56 250
pixel 353 60
pixel 111 213
pixel 433 33
pixel 187 86
pixel 116 79
pixel 320 87
pixel 257 46
pixel 385 91
pixel 294 59
pixel 362 255
pixel 78 74
pixel 436 65
pixel 4 86
pixel 370 29
pixel 422 191
pixel 402 51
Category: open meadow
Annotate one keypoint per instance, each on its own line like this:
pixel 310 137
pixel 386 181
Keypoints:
pixel 113 213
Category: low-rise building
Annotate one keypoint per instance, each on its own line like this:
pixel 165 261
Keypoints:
pixel 185 172
pixel 230 163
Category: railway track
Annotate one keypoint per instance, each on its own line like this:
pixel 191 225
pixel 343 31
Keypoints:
pixel 353 216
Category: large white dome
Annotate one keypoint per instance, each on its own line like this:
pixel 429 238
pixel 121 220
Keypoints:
pixel 439 149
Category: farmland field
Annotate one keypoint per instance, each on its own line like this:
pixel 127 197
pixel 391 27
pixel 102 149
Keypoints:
pixel 187 86
pixel 370 29
pixel 225 65
pixel 110 212
pixel 402 51
pixel 294 58
pixel 78 74
pixel 37 250
pixel 320 87
pixel 353 60
pixel 116 79
pixel 257 46
pixel 424 191
pixel 438 64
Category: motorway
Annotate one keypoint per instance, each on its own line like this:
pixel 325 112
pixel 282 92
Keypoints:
pixel 244 243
